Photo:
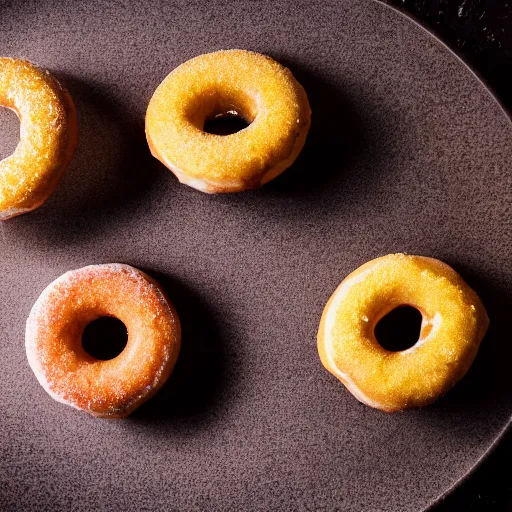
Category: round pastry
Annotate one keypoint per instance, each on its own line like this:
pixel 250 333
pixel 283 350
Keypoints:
pixel 230 82
pixel 112 388
pixel 454 323
pixel 48 136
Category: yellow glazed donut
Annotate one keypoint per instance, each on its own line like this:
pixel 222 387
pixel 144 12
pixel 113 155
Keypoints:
pixel 112 388
pixel 48 136
pixel 255 87
pixel 454 323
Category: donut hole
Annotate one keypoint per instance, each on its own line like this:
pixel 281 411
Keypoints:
pixel 105 338
pixel 220 112
pixel 400 329
pixel 9 132
pixel 225 123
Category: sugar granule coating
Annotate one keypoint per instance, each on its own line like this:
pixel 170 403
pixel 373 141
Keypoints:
pixel 116 387
pixel 261 90
pixel 454 323
pixel 48 136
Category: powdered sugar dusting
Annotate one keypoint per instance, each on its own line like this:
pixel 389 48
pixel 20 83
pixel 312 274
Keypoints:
pixel 110 388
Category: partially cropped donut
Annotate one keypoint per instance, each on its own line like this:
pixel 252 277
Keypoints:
pixel 235 82
pixel 112 388
pixel 48 136
pixel 454 323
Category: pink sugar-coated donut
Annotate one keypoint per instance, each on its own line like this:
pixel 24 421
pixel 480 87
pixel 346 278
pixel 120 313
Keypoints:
pixel 113 388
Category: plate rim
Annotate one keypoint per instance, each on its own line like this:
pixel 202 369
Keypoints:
pixel 507 429
pixel 490 91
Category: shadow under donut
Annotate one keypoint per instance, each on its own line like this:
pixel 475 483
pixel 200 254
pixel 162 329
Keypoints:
pixel 345 132
pixel 351 145
pixel 334 141
pixel 489 380
pixel 198 386
pixel 112 169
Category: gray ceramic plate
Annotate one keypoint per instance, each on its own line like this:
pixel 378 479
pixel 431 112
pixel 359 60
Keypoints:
pixel 408 151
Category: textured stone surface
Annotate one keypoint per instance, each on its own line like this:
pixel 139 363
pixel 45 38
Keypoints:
pixel 407 152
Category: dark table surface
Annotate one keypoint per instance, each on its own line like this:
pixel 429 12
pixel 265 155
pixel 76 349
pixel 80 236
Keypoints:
pixel 479 31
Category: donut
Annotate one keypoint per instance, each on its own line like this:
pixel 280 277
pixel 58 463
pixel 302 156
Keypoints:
pixel 53 341
pixel 454 321
pixel 48 136
pixel 229 82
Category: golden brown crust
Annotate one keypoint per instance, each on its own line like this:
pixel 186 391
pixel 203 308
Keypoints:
pixel 267 95
pixel 454 323
pixel 113 388
pixel 49 127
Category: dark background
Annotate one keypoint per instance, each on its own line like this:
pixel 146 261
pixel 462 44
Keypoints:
pixel 480 31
